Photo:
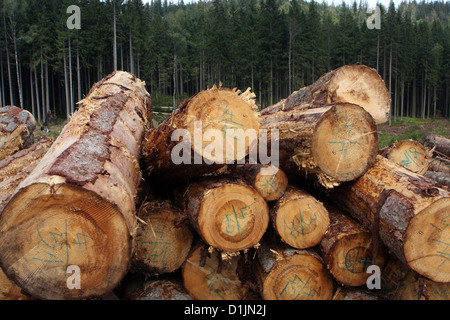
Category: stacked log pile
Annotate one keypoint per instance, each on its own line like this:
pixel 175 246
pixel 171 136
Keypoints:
pixel 191 210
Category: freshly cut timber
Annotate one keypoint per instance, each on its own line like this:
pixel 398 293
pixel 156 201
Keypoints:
pixel 285 273
pixel 214 127
pixel 70 223
pixel 228 214
pixel 409 211
pixel 334 143
pixel 21 159
pixel 207 277
pixel 358 84
pixel 163 238
pixel 440 144
pixel 16 130
pixel 408 153
pixel 299 219
pixel 269 181
pixel 347 249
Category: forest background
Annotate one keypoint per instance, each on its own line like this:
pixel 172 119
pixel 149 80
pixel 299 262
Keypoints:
pixel 273 46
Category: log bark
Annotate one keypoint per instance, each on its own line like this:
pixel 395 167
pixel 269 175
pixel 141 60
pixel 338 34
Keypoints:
pixel 355 294
pixel 439 164
pixel 416 287
pixel 163 290
pixel 228 214
pixel 207 277
pixel 163 238
pixel 440 144
pixel 16 130
pixel 180 148
pixel 409 212
pixel 441 178
pixel 76 208
pixel 347 249
pixel 284 273
pixel 408 153
pixel 270 185
pixel 299 219
pixel 332 144
pixel 21 159
pixel 357 84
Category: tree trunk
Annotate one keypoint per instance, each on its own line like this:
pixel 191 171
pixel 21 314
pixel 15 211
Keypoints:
pixel 439 143
pixel 333 144
pixel 207 277
pixel 270 185
pixel 408 153
pixel 439 164
pixel 441 178
pixel 163 290
pixel 16 130
pixel 228 214
pixel 299 219
pixel 163 240
pixel 408 210
pixel 284 273
pixel 356 84
pixel 77 207
pixel 347 249
pixel 15 163
pixel 355 294
pixel 225 111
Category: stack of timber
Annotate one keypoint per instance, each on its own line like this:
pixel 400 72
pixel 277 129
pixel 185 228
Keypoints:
pixel 188 209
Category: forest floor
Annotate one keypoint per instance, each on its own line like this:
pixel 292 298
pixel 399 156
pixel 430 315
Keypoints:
pixel 412 128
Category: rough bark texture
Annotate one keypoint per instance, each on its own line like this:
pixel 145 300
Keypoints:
pixel 347 249
pixel 16 130
pixel 439 164
pixel 228 214
pixel 358 84
pixel 21 159
pixel 440 144
pixel 333 143
pixel 299 219
pixel 207 277
pixel 163 290
pixel 163 238
pixel 408 210
pixel 77 206
pixel 408 153
pixel 353 294
pixel 441 178
pixel 284 273
pixel 184 135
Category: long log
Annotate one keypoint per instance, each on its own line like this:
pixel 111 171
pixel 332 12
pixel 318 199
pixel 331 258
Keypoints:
pixel 441 178
pixel 357 84
pixel 347 249
pixel 198 137
pixel 284 273
pixel 163 290
pixel 334 143
pixel 21 159
pixel 299 219
pixel 16 130
pixel 409 212
pixel 76 208
pixel 408 153
pixel 163 238
pixel 207 277
pixel 439 143
pixel 439 164
pixel 229 215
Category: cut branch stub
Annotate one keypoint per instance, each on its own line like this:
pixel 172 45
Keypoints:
pixel 77 208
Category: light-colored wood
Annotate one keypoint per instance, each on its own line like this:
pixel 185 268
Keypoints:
pixel 358 84
pixel 163 239
pixel 207 277
pixel 284 273
pixel 77 207
pixel 332 144
pixel 16 130
pixel 299 219
pixel 410 212
pixel 408 153
pixel 9 290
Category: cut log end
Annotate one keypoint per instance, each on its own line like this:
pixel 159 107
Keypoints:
pixel 298 277
pixel 300 220
pixel 345 143
pixel 271 186
pixel 363 86
pixel 65 226
pixel 233 217
pixel 427 241
pixel 410 154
